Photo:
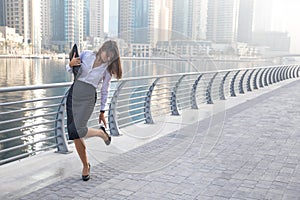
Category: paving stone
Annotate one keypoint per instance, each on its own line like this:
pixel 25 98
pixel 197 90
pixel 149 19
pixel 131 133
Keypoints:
pixel 250 159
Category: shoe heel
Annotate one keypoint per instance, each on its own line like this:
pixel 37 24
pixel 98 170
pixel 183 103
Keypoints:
pixel 107 142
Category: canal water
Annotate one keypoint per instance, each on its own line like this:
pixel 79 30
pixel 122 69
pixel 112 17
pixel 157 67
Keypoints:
pixel 25 72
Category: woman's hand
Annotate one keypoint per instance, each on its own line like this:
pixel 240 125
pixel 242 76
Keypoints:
pixel 74 61
pixel 102 119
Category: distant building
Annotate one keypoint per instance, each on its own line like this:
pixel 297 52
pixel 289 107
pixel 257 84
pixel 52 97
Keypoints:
pixel 67 24
pixel 10 41
pixel 113 18
pixel 96 18
pixel 245 21
pixel 189 19
pixel 46 23
pixel 276 41
pixel 136 22
pixel 179 48
pixel 2 13
pixel 25 17
pixel 17 16
pixel 222 21
pixel 263 15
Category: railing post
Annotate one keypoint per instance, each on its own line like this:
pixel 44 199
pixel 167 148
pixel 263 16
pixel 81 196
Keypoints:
pixel 281 73
pixel 241 89
pixel 232 92
pixel 112 113
pixel 221 88
pixel 261 78
pixel 290 72
pixel 249 81
pixel 295 72
pixel 266 77
pixel 255 80
pixel 193 93
pixel 61 138
pixel 174 107
pixel 276 75
pixel 147 105
pixel 209 88
pixel 271 81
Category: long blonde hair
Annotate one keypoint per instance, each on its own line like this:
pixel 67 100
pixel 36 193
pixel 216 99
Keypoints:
pixel 114 66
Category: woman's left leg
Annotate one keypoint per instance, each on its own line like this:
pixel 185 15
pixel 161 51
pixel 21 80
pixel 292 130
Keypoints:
pixel 81 150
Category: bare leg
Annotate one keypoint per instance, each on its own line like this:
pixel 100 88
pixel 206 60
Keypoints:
pixel 96 133
pixel 81 150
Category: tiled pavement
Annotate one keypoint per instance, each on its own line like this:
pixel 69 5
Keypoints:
pixel 250 152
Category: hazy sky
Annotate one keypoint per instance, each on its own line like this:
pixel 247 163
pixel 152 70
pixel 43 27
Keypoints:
pixel 286 18
pixel 286 14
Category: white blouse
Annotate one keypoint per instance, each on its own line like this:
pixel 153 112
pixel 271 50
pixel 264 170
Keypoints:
pixel 94 76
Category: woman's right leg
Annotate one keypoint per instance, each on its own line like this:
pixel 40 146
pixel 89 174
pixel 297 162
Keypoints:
pixel 96 133
pixel 81 150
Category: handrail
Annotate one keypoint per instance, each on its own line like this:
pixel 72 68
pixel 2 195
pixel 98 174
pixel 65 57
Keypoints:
pixel 130 102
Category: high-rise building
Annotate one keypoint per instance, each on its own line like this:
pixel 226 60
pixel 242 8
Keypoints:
pixel 245 21
pixel 2 13
pixel 67 23
pixel 113 18
pixel 199 19
pixel 25 17
pixel 161 21
pixel 17 16
pixel 73 26
pixel 45 23
pixel 222 21
pixel 125 24
pixel 263 15
pixel 96 18
pixel 57 23
pixel 136 21
pixel 189 19
pixel 86 18
pixel 182 19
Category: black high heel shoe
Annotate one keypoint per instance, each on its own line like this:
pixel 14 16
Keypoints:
pixel 107 142
pixel 87 177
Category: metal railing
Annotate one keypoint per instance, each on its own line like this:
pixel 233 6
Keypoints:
pixel 131 100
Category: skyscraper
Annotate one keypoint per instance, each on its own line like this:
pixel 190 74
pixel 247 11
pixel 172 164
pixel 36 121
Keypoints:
pixel 2 13
pixel 189 19
pixel 17 16
pixel 161 21
pixel 245 21
pixel 96 18
pixel 182 19
pixel 86 18
pixel 45 23
pixel 222 21
pixel 262 15
pixel 113 18
pixel 136 21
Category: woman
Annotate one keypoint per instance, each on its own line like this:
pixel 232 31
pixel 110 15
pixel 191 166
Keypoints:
pixel 95 67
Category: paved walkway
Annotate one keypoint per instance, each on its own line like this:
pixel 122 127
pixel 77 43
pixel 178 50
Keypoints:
pixel 250 151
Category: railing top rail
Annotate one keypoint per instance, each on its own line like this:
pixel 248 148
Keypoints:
pixel 34 87
pixel 66 84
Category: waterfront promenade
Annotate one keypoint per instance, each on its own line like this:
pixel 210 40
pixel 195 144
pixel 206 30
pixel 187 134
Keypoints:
pixel 247 147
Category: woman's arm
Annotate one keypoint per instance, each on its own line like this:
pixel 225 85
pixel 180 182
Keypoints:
pixel 104 89
pixel 74 61
pixel 104 94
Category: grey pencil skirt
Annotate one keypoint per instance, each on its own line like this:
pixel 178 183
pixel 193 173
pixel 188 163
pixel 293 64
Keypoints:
pixel 80 105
